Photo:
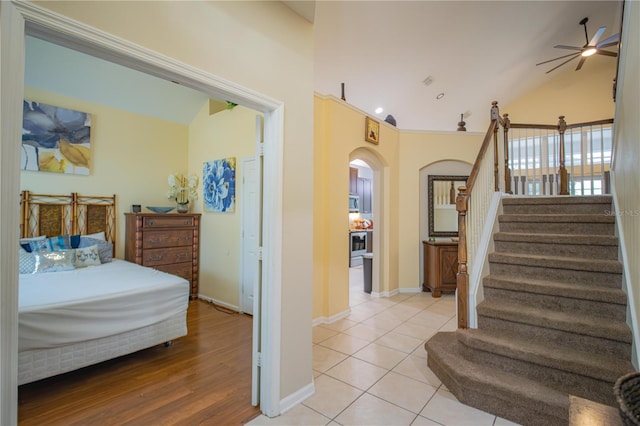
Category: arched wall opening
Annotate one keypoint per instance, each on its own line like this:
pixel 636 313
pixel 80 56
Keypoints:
pixel 444 167
pixel 377 166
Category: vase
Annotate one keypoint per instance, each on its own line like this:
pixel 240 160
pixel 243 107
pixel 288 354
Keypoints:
pixel 183 207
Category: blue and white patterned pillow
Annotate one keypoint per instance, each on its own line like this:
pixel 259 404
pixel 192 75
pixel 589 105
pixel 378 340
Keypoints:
pixel 61 242
pixel 26 262
pixel 105 248
pixel 25 242
pixel 87 256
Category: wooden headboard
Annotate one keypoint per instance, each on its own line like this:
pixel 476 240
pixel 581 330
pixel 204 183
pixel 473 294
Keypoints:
pixel 51 215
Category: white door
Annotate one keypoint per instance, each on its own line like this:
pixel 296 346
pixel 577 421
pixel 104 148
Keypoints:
pixel 249 239
pixel 254 256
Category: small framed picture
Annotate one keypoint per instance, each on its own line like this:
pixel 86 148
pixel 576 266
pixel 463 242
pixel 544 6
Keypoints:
pixel 371 130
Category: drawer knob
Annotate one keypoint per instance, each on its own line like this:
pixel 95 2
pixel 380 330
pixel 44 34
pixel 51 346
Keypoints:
pixel 151 222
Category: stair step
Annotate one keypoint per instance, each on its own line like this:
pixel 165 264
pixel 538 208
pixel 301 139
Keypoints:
pixel 490 389
pixel 580 332
pixel 571 371
pixel 562 269
pixel 608 303
pixel 563 245
pixel 583 204
pixel 588 224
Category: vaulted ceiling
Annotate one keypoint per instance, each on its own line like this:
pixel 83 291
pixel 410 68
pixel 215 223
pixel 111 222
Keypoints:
pixel 474 52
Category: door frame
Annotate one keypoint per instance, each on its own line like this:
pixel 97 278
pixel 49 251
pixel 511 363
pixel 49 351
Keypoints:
pixel 19 18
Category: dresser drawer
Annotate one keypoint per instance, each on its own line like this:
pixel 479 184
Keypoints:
pixel 183 270
pixel 167 221
pixel 167 238
pixel 166 256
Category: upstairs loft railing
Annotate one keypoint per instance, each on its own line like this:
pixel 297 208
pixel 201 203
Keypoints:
pixel 558 160
pixel 527 159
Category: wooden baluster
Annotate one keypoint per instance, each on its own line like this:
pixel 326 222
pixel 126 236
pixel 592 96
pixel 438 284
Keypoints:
pixel 564 181
pixel 506 125
pixel 462 278
pixel 495 115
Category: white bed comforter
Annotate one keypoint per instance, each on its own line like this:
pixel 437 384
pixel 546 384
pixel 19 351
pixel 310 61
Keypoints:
pixel 61 308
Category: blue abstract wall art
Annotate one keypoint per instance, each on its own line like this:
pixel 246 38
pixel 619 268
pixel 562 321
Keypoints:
pixel 219 185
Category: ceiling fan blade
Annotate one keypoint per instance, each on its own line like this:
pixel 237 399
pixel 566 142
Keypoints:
pixel 606 53
pixel 581 63
pixel 562 46
pixel 559 57
pixel 597 35
pixel 609 40
pixel 568 60
pixel 602 46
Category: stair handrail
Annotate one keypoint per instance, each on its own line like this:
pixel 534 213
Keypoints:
pixel 463 204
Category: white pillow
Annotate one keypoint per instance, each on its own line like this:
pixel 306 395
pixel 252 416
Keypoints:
pixel 87 256
pixel 97 236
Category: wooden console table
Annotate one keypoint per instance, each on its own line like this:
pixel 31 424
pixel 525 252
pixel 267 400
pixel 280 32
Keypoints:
pixel 440 266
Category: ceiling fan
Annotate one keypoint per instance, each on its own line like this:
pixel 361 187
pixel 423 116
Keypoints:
pixel 590 47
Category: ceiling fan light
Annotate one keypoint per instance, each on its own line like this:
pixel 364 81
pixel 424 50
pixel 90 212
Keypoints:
pixel 588 52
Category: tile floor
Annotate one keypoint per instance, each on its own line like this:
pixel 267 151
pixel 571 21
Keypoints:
pixel 371 367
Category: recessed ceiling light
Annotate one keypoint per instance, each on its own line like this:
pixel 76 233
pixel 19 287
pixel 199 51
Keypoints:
pixel 440 95
pixel 379 110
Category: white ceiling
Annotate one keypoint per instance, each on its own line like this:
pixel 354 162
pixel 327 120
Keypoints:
pixel 475 52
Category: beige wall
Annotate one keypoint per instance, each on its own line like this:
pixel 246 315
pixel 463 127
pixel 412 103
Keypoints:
pixel 222 135
pixel 131 156
pixel 580 96
pixel 339 138
pixel 266 47
pixel 419 150
pixel 626 179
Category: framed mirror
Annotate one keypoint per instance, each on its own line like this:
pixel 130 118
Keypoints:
pixel 443 216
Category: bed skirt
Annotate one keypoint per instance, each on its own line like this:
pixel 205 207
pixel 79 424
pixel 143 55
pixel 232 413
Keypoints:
pixel 42 363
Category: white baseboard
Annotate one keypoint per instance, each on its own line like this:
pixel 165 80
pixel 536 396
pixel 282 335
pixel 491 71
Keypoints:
pixel 219 303
pixel 410 290
pixel 297 397
pixel 331 319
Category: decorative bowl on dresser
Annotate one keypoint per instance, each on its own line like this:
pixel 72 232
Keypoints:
pixel 167 242
pixel 440 266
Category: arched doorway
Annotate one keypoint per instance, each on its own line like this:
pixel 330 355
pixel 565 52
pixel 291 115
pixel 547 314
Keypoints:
pixel 371 170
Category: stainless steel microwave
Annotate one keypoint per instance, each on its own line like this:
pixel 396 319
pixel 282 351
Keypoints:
pixel 354 203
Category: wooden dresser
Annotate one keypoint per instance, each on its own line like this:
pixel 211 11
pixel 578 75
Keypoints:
pixel 167 242
pixel 440 266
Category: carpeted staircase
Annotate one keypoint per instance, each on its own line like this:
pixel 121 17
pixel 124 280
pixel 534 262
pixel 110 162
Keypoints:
pixel 552 323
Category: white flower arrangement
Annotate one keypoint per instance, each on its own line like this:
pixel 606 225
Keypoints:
pixel 183 188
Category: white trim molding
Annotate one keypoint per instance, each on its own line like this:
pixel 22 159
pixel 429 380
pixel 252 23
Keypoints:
pixel 19 17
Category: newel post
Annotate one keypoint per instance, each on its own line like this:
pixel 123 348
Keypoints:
pixel 462 278
pixel 506 125
pixel 495 115
pixel 564 181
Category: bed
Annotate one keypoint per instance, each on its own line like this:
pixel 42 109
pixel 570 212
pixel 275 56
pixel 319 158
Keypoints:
pixel 75 313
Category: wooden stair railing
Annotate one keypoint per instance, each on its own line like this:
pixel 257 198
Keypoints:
pixel 462 206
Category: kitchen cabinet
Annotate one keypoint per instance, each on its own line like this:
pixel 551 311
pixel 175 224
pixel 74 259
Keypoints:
pixel 167 242
pixel 364 191
pixel 440 266
pixel 353 180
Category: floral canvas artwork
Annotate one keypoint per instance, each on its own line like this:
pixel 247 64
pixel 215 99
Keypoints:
pixel 219 185
pixel 55 139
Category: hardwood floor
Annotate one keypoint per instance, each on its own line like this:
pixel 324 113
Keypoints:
pixel 204 378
